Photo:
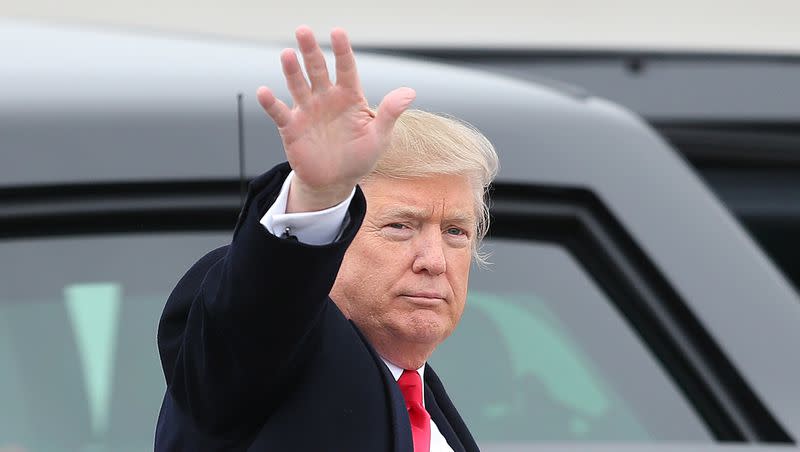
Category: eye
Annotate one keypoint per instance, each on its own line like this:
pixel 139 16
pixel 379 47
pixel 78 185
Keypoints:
pixel 455 231
pixel 397 231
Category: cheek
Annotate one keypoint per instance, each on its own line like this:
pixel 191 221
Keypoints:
pixel 364 271
pixel 366 256
pixel 459 282
pixel 353 273
pixel 458 266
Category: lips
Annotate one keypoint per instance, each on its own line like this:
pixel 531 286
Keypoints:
pixel 424 298
pixel 417 294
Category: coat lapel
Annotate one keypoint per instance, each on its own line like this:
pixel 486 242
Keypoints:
pixel 401 426
pixel 441 421
pixel 452 426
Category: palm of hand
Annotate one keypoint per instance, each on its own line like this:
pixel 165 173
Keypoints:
pixel 331 137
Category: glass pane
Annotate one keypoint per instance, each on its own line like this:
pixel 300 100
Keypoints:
pixel 78 320
pixel 541 354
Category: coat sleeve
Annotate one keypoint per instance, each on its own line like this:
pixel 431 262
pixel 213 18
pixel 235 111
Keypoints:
pixel 239 324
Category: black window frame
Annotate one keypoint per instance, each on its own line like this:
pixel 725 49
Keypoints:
pixel 572 217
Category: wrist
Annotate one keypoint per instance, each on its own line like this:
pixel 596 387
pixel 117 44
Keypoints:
pixel 303 198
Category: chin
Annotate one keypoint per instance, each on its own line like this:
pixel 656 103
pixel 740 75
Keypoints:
pixel 425 327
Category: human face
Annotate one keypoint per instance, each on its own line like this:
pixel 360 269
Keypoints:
pixel 404 278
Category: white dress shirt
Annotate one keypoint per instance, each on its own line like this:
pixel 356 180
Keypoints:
pixel 313 228
pixel 438 443
pixel 320 228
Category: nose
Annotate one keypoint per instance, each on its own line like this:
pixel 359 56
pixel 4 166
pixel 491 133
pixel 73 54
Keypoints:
pixel 430 256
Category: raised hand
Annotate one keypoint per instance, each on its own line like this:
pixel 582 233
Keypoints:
pixel 331 137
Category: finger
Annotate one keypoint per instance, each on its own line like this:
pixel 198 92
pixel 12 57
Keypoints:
pixel 346 72
pixel 313 59
pixel 295 80
pixel 275 108
pixel 390 108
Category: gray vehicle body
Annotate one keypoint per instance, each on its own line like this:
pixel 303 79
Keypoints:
pixel 85 107
pixel 734 116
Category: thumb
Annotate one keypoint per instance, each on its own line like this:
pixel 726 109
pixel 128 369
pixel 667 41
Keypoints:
pixel 390 108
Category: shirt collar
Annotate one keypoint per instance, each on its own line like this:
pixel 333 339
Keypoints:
pixel 397 371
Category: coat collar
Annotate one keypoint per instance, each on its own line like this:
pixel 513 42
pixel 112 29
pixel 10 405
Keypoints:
pixel 401 426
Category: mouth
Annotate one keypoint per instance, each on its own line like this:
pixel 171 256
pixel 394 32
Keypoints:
pixel 424 299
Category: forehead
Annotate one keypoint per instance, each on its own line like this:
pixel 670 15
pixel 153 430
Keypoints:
pixel 451 194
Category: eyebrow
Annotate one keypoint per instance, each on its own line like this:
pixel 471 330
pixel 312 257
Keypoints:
pixel 409 212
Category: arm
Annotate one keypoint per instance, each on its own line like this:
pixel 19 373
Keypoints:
pixel 313 228
pixel 234 329
pixel 236 326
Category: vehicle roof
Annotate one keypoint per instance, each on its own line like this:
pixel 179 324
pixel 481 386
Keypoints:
pixel 661 86
pixel 93 106
pixel 677 24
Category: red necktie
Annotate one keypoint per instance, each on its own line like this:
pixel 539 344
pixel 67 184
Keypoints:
pixel 411 387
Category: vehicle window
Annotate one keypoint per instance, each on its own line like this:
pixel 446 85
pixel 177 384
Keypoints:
pixel 542 355
pixel 78 320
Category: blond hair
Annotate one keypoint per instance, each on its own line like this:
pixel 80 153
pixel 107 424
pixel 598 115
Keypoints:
pixel 425 144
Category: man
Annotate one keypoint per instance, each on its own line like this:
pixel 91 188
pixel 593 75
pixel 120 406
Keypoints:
pixel 311 330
